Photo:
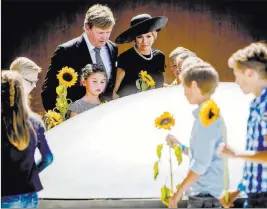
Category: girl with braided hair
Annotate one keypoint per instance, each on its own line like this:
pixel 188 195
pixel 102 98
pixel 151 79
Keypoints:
pixel 22 133
pixel 250 69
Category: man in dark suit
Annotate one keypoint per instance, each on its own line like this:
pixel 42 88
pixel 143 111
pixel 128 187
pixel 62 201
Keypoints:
pixel 93 46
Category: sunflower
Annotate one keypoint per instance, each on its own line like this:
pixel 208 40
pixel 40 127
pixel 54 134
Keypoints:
pixel 209 112
pixel 67 76
pixel 147 78
pixel 54 118
pixel 165 121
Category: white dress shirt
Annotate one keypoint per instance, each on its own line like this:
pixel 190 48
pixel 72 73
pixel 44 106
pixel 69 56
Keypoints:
pixel 104 53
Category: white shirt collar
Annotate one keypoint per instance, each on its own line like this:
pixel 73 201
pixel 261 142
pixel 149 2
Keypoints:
pixel 89 44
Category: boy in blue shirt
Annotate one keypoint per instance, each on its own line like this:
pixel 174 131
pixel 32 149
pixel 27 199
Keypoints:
pixel 205 179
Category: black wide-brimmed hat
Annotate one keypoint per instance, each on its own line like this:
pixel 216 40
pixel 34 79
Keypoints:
pixel 141 24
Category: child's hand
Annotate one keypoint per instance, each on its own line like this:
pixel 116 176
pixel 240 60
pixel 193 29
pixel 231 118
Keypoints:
pixel 232 197
pixel 225 151
pixel 165 85
pixel 174 199
pixel 172 141
pixel 115 96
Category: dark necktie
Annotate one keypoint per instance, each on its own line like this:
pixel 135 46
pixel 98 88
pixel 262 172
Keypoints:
pixel 98 57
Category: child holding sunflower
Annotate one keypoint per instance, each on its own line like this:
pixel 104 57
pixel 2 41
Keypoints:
pixel 205 179
pixel 94 79
pixel 250 69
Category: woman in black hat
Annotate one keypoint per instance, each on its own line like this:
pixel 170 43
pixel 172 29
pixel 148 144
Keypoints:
pixel 141 57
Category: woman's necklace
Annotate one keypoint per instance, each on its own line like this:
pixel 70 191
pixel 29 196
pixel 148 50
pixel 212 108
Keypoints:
pixel 146 58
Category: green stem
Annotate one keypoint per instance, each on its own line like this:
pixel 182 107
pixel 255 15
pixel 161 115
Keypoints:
pixel 226 180
pixel 225 162
pixel 170 152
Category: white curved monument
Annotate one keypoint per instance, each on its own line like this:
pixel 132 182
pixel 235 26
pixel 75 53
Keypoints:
pixel 109 151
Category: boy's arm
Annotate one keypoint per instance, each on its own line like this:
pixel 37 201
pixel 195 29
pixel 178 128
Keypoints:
pixel 203 151
pixel 190 179
pixel 253 156
pixel 258 157
pixel 186 150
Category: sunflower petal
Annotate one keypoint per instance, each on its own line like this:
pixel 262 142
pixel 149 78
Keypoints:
pixel 207 108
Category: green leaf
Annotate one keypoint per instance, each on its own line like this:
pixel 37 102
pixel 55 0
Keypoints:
pixel 138 85
pixel 60 89
pixel 144 86
pixel 159 149
pixel 49 126
pixel 165 195
pixel 178 154
pixel 156 170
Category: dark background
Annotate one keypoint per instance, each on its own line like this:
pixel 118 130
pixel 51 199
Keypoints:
pixel 214 29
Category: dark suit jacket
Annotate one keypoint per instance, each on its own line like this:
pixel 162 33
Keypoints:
pixel 74 54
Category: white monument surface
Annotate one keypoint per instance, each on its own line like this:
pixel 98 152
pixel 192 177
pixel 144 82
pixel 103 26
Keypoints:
pixel 109 151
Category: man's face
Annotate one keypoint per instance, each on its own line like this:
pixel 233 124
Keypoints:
pixel 176 66
pixel 97 36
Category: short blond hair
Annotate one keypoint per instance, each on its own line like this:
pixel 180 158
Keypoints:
pixel 182 52
pixel 203 74
pixel 254 57
pixel 190 61
pixel 99 16
pixel 24 66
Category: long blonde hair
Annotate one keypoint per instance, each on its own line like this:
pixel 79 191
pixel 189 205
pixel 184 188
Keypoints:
pixel 15 112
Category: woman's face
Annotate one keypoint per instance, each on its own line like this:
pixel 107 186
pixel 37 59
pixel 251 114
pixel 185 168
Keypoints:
pixel 144 42
pixel 95 83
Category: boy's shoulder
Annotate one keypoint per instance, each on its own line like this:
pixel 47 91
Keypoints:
pixel 216 129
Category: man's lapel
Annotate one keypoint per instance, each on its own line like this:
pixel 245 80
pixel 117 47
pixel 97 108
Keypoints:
pixel 84 49
pixel 111 52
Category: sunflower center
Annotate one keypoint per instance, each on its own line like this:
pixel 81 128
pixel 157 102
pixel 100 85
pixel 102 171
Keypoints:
pixel 211 114
pixel 165 121
pixel 67 76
